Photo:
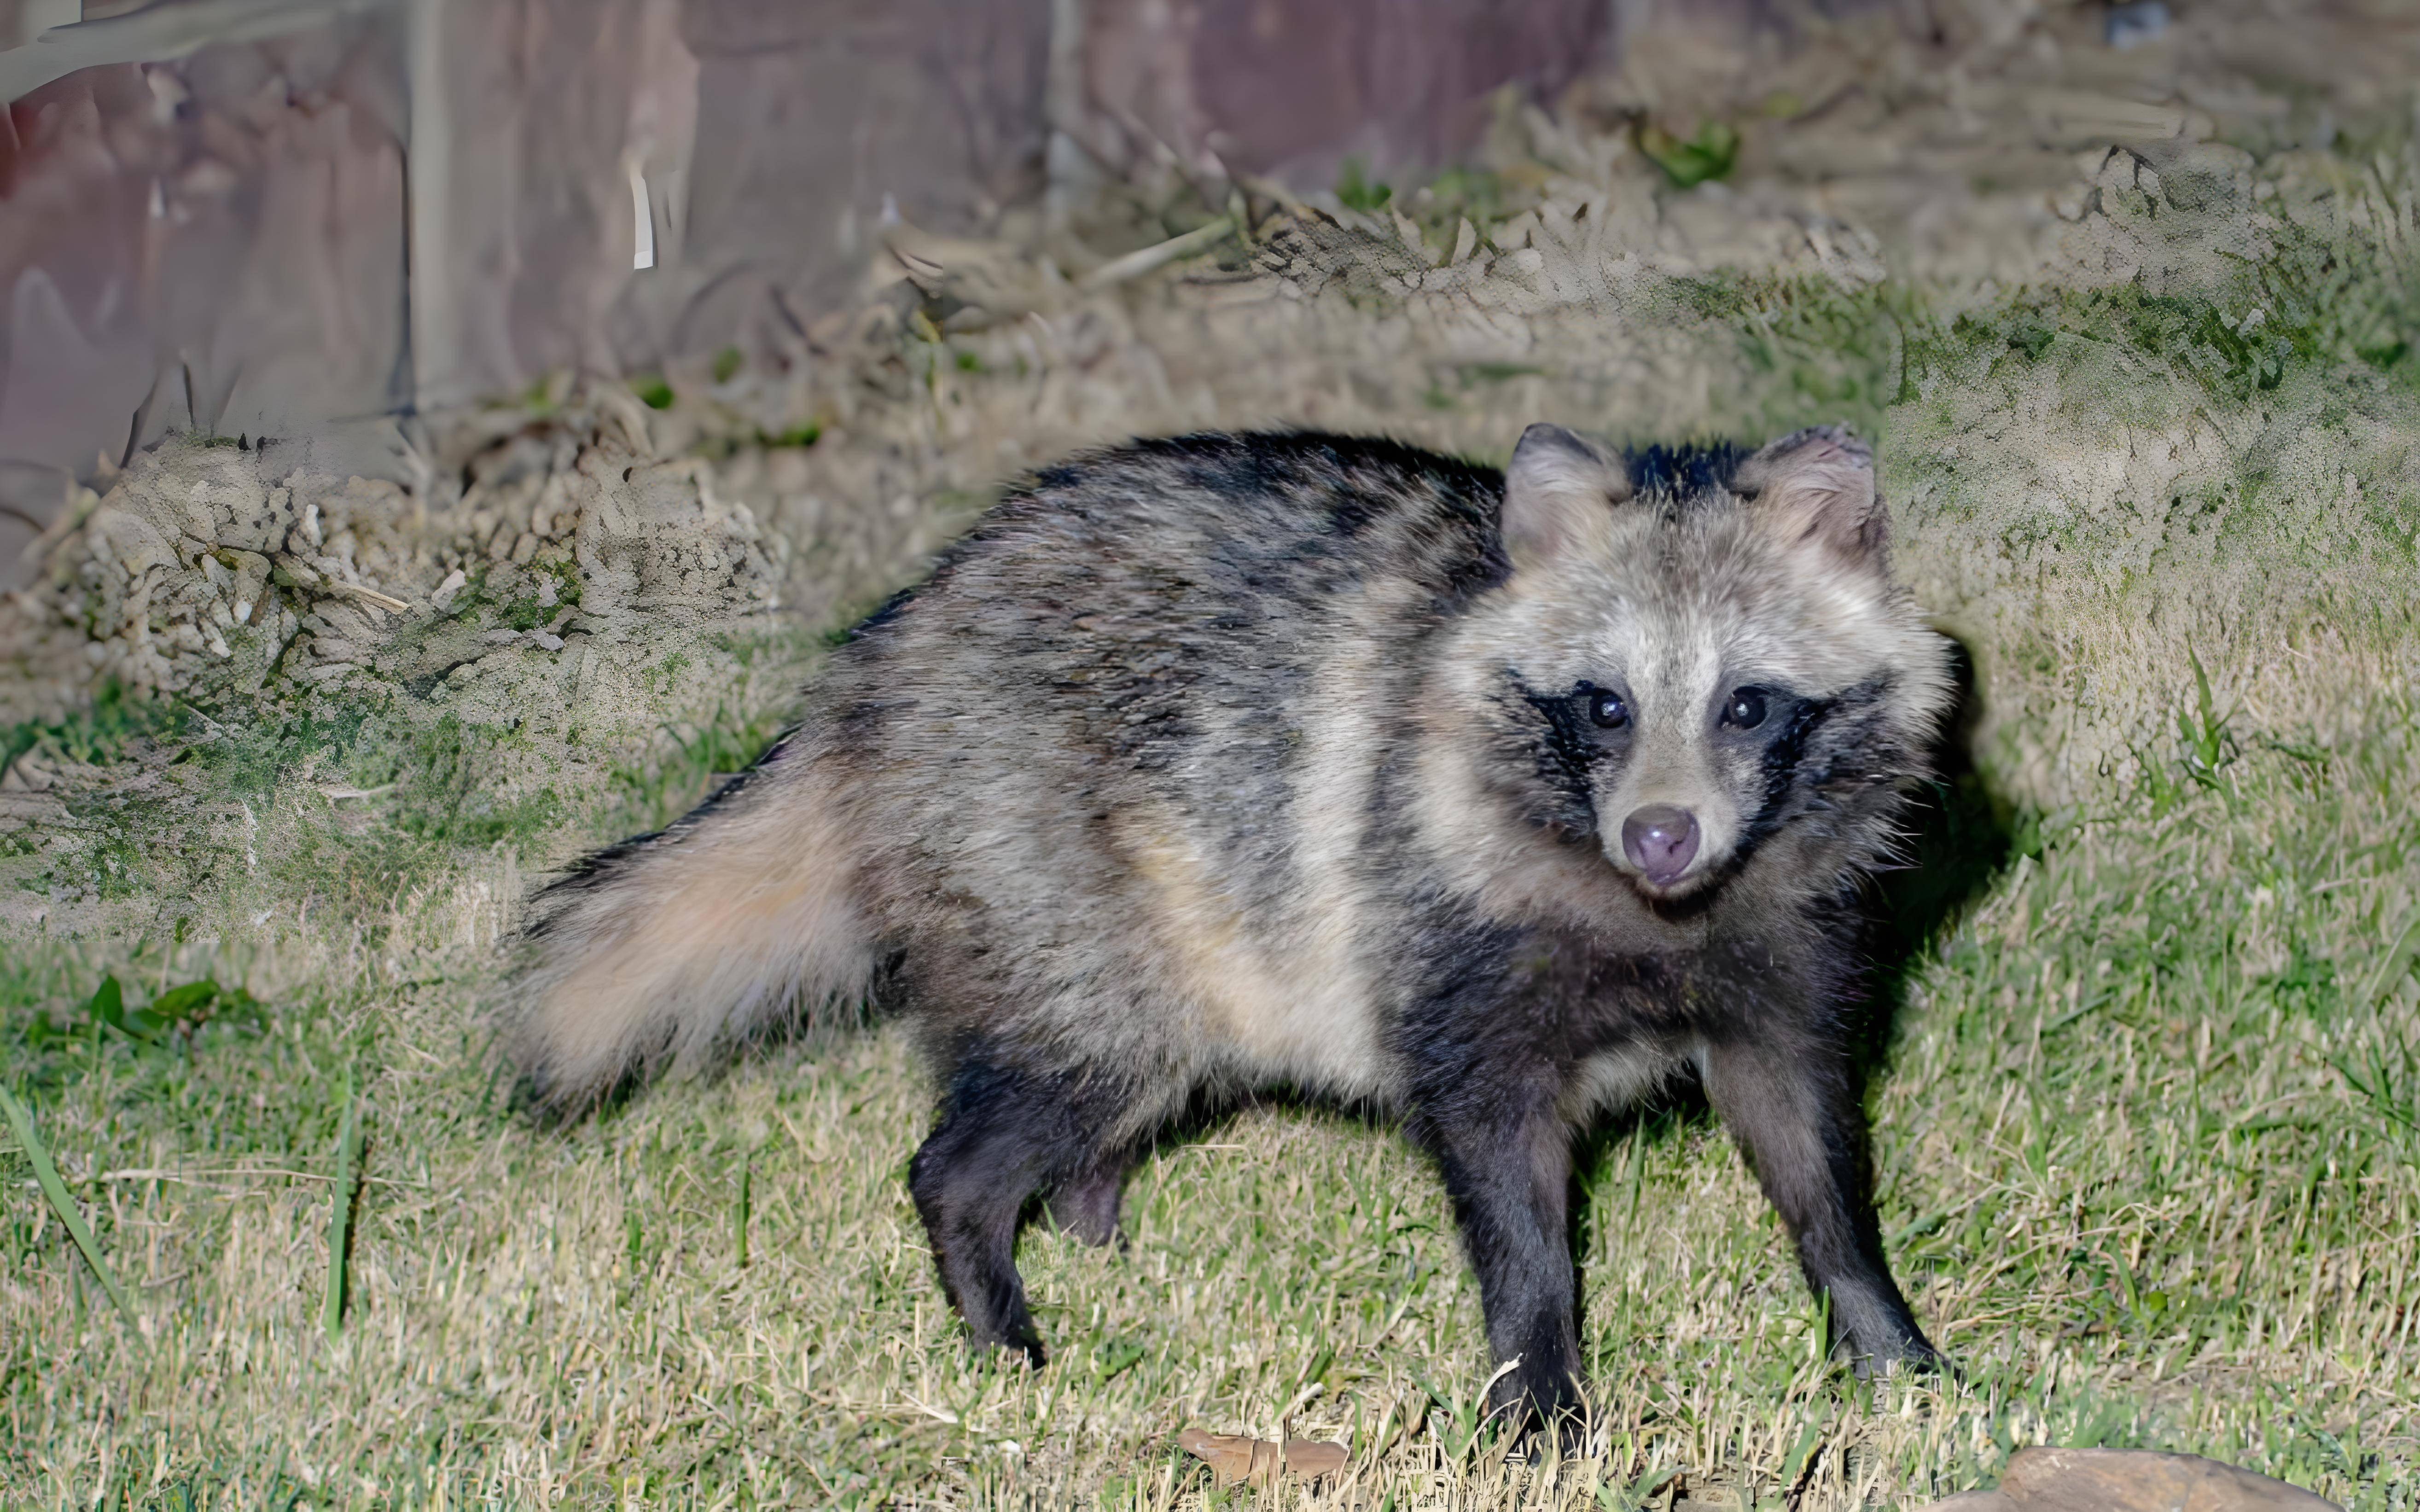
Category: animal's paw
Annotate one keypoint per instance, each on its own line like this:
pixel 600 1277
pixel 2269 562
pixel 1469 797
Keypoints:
pixel 1528 1398
pixel 1016 1341
pixel 1905 1354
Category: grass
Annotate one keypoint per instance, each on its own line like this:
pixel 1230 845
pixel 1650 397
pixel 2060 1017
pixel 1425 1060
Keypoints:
pixel 2147 1160
pixel 2147 1124
pixel 1688 161
pixel 340 1214
pixel 100 733
pixel 54 1192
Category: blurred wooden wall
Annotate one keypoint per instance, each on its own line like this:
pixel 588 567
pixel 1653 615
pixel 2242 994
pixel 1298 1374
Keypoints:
pixel 307 218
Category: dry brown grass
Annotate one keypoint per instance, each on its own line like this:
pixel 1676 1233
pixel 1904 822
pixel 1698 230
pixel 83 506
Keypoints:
pixel 2148 1157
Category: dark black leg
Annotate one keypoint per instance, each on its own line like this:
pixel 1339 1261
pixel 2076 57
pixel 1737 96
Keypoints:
pixel 1793 1107
pixel 1506 1157
pixel 1002 1137
pixel 1086 1204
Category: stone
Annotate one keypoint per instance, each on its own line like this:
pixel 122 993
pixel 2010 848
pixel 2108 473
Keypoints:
pixel 2131 1480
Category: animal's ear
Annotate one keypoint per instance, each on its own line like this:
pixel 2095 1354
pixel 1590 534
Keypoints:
pixel 1559 494
pixel 1817 486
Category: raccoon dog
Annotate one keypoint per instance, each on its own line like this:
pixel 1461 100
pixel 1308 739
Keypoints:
pixel 1236 762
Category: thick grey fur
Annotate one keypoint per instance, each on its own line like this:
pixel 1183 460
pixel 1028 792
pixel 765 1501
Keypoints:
pixel 1231 761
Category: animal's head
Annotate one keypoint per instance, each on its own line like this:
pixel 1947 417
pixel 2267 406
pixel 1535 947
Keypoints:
pixel 1702 665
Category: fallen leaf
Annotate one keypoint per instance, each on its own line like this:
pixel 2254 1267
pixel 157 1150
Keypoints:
pixel 1233 1456
pixel 1311 1458
pixel 1230 1456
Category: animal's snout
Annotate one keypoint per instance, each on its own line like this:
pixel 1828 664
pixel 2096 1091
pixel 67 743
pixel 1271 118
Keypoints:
pixel 1661 840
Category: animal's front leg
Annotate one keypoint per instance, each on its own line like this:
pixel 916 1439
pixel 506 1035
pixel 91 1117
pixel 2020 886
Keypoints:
pixel 1791 1102
pixel 1506 1157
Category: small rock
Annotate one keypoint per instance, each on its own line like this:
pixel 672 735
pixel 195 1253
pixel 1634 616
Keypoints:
pixel 2140 21
pixel 2131 1480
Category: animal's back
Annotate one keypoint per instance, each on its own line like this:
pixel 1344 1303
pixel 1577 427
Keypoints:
pixel 1120 750
pixel 1229 759
pixel 1110 769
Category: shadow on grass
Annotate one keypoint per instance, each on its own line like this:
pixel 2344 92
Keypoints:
pixel 1961 836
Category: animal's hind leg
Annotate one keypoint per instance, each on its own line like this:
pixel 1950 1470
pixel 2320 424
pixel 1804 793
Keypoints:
pixel 1085 1204
pixel 1003 1135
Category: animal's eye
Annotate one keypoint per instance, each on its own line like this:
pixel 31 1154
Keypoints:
pixel 1607 710
pixel 1746 709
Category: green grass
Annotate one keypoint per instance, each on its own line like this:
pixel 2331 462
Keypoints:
pixel 1357 192
pixel 2328 302
pixel 652 794
pixel 100 733
pixel 2145 1156
pixel 1688 161
pixel 2147 1125
pixel 54 1192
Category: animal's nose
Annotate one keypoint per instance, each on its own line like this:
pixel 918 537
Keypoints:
pixel 1661 840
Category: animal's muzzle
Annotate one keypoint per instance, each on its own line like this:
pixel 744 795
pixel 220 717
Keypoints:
pixel 1660 840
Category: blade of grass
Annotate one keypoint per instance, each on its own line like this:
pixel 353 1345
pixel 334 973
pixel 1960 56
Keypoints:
pixel 1135 264
pixel 2390 966
pixel 108 1005
pixel 340 1219
pixel 740 1215
pixel 21 1120
pixel 1801 1457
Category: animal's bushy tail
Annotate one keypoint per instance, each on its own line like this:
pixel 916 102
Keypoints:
pixel 672 947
